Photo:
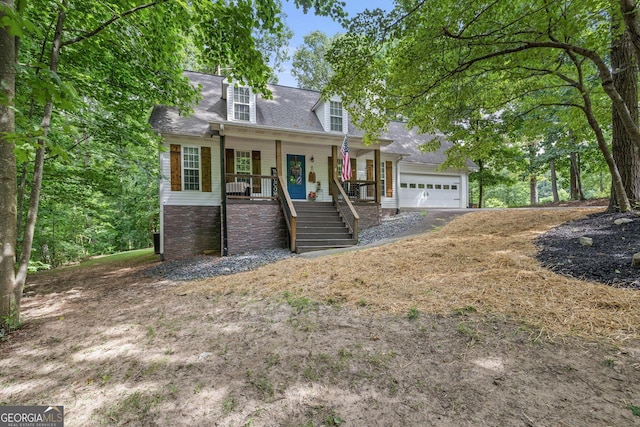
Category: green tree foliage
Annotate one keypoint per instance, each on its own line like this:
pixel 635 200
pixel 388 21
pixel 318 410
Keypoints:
pixel 310 66
pixel 86 76
pixel 432 63
pixel 272 45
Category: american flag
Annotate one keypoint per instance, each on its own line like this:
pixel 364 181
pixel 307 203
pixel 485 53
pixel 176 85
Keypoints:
pixel 346 162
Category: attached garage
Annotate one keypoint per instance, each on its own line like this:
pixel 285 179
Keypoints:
pixel 422 182
pixel 430 191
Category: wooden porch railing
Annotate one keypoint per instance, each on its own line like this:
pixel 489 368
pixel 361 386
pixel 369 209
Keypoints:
pixel 345 207
pixel 290 215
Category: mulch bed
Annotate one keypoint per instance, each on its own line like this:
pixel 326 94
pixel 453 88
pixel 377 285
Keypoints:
pixel 607 261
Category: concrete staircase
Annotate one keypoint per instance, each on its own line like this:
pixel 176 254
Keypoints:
pixel 319 226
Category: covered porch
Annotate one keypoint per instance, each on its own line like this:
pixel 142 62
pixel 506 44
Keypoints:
pixel 263 179
pixel 244 177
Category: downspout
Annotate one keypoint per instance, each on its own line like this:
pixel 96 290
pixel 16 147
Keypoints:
pixel 396 188
pixel 223 206
pixel 161 203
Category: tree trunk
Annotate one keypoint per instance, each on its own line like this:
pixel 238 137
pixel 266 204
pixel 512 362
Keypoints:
pixel 8 184
pixel 616 180
pixel 554 181
pixel 34 199
pixel 579 177
pixel 573 186
pixel 632 23
pixel 625 153
pixel 573 173
pixel 533 189
pixel 576 178
pixel 480 164
pixel 21 191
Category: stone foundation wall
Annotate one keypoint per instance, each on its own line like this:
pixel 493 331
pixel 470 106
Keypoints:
pixel 370 215
pixel 255 225
pixel 191 230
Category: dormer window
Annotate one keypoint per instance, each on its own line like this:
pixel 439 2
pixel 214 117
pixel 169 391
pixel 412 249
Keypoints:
pixel 241 107
pixel 335 115
pixel 331 114
pixel 241 103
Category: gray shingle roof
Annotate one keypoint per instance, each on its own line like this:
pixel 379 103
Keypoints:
pixel 212 108
pixel 290 108
pixel 408 142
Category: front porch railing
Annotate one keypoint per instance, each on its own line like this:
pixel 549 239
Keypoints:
pixel 344 206
pixel 266 187
pixel 360 191
pixel 290 215
pixel 241 186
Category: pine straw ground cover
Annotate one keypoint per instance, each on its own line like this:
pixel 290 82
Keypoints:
pixel 482 261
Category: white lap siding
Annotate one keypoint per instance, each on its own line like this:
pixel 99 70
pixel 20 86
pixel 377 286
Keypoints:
pixel 189 219
pixel 187 197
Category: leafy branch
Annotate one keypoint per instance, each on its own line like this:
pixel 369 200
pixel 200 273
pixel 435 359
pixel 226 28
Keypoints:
pixel 113 19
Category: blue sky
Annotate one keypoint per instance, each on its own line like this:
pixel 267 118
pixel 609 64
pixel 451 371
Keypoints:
pixel 302 25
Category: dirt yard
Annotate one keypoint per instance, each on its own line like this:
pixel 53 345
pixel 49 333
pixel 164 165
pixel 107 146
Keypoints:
pixel 457 327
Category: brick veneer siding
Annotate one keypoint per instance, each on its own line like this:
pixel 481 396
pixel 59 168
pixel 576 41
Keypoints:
pixel 370 214
pixel 255 225
pixel 191 230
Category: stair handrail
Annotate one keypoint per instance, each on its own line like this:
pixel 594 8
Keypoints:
pixel 290 214
pixel 353 217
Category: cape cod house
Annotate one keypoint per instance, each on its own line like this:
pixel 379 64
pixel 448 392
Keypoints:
pixel 244 173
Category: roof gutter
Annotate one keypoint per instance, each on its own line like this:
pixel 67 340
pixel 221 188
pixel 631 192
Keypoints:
pixel 270 132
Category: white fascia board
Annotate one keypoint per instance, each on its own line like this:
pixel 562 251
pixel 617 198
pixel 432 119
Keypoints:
pixel 164 135
pixel 302 136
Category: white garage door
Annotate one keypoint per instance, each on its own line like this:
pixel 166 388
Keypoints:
pixel 429 191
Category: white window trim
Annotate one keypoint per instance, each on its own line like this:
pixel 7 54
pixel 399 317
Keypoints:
pixel 236 157
pixel 340 116
pixel 198 167
pixel 236 91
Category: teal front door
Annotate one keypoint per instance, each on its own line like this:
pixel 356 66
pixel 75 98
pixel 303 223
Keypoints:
pixel 296 183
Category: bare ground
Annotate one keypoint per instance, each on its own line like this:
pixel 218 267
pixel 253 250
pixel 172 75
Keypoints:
pixel 457 327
